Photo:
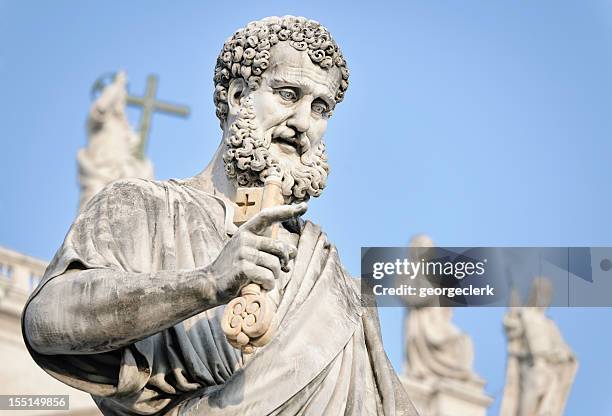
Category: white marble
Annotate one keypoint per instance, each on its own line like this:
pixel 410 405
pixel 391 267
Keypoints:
pixel 19 275
pixel 112 149
pixel 541 366
pixel 439 357
pixel 147 268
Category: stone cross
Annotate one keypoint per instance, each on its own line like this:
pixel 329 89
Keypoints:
pixel 246 204
pixel 249 204
pixel 149 105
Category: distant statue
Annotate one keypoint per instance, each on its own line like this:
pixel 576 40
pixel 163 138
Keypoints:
pixel 435 347
pixel 541 366
pixel 112 151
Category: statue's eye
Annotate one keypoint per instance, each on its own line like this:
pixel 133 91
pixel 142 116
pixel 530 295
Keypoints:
pixel 288 94
pixel 319 107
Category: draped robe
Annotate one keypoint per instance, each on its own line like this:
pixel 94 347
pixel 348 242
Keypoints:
pixel 325 359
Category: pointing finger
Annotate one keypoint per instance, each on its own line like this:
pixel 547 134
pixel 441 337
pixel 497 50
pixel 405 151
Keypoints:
pixel 260 222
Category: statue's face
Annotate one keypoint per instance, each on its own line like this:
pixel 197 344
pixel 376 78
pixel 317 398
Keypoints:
pixel 278 128
pixel 293 103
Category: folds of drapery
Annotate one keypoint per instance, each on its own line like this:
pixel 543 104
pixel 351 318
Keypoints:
pixel 327 355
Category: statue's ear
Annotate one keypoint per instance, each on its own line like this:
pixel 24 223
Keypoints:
pixel 237 89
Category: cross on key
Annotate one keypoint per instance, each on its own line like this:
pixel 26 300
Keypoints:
pixel 249 204
pixel 246 203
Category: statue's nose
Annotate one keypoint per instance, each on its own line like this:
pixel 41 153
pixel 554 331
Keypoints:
pixel 300 119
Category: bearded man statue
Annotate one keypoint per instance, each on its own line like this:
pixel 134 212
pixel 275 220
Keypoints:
pixel 147 268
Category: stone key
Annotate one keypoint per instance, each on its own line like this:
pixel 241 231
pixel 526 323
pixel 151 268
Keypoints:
pixel 248 319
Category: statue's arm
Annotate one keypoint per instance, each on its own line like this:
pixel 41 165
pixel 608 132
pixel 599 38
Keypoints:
pixel 99 310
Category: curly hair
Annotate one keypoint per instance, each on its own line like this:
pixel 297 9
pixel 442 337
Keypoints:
pixel 246 54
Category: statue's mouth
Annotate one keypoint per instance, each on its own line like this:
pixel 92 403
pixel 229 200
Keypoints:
pixel 288 144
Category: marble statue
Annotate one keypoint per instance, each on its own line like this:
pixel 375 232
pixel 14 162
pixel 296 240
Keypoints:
pixel 112 151
pixel 541 366
pixel 439 357
pixel 146 270
pixel 435 347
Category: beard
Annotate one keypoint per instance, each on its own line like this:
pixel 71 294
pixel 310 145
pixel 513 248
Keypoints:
pixel 248 160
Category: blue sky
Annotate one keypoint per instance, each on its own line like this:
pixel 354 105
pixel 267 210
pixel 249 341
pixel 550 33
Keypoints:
pixel 476 122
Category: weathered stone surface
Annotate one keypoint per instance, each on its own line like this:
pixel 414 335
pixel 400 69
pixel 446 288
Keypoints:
pixel 19 275
pixel 147 268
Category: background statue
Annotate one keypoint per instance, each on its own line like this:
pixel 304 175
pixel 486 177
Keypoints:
pixel 113 149
pixel 541 366
pixel 435 347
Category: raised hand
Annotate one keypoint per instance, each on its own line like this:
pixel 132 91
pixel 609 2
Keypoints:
pixel 250 256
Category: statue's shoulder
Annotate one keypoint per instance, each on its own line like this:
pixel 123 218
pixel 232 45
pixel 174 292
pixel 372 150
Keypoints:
pixel 130 198
pixel 128 191
pixel 136 194
pixel 133 189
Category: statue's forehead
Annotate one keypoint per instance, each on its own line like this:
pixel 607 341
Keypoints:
pixel 292 65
